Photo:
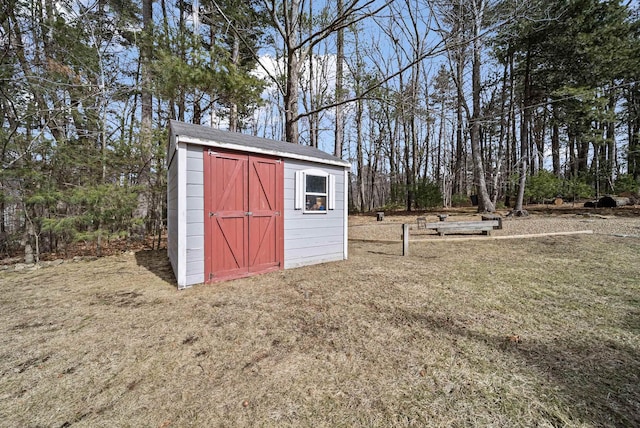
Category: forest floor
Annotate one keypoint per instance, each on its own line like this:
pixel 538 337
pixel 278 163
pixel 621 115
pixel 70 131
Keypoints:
pixel 481 332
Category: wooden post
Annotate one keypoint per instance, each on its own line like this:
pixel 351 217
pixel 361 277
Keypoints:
pixel 405 239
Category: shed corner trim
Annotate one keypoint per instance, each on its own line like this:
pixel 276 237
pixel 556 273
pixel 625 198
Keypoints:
pixel 181 151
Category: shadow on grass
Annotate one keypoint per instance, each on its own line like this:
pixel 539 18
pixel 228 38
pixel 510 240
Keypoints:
pixel 157 262
pixel 385 253
pixel 600 380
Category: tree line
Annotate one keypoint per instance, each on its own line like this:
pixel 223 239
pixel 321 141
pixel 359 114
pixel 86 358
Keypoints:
pixel 433 102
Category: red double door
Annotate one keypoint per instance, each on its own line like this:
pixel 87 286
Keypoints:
pixel 243 201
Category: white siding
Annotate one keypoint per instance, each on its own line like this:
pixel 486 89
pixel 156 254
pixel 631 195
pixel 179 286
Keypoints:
pixel 172 209
pixel 195 215
pixel 312 238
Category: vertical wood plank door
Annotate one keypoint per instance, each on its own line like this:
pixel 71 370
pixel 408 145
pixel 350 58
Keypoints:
pixel 226 222
pixel 244 231
pixel 266 246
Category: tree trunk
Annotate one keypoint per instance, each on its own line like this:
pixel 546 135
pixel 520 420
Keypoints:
pixel 484 201
pixel 582 155
pixel 394 170
pixel 339 130
pixel 511 135
pixel 540 125
pixel 611 157
pixel 145 59
pixel 29 238
pixel 457 169
pixel 360 156
pixel 313 118
pixel 291 100
pixel 571 157
pixel 633 132
pixel 523 180
pixel 524 137
pixel 555 143
pixel 183 54
pixel 414 138
pixel 292 36
pixel 233 108
pixel 441 142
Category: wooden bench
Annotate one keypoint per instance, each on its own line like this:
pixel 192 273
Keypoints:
pixel 489 217
pixel 444 227
pixel 466 226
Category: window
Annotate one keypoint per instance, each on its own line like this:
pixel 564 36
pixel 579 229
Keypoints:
pixel 315 191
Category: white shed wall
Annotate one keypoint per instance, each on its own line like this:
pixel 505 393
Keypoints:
pixel 195 215
pixel 312 238
pixel 172 209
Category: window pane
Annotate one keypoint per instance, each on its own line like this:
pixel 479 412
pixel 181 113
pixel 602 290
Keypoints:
pixel 316 203
pixel 316 184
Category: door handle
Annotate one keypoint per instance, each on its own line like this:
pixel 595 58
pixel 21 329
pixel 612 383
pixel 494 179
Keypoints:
pixel 248 213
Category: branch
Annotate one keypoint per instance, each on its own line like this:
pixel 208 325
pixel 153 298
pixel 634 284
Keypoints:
pixel 342 21
pixel 378 84
pixel 248 46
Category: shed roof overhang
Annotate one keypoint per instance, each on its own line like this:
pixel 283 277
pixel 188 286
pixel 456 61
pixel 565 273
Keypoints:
pixel 210 137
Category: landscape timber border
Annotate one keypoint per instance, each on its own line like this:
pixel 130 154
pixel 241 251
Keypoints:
pixel 476 237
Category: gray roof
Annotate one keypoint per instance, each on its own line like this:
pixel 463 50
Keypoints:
pixel 208 136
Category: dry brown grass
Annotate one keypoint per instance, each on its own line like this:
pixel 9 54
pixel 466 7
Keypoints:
pixel 537 332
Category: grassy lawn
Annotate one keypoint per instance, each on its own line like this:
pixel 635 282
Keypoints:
pixel 534 332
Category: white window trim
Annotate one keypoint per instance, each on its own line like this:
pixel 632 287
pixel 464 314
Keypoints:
pixel 300 190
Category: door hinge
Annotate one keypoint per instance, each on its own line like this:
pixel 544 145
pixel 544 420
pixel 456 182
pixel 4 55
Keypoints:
pixel 212 214
pixel 277 213
pixel 279 161
pixel 212 153
pixel 210 276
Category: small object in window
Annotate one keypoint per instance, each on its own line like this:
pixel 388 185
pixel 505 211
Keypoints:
pixel 318 205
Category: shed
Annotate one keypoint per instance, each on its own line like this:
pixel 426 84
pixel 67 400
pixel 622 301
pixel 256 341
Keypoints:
pixel 239 205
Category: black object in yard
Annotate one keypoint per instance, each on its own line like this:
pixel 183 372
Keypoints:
pixel 613 202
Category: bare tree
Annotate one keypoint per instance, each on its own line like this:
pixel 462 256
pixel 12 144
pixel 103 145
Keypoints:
pixel 339 129
pixel 466 20
pixel 145 60
pixel 286 18
pixel 484 201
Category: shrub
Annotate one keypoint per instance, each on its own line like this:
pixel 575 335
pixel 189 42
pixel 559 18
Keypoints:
pixel 543 185
pixel 428 195
pixel 392 206
pixel 625 183
pixel 460 200
pixel 104 211
pixel 576 188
